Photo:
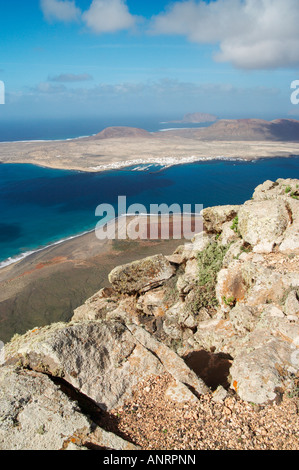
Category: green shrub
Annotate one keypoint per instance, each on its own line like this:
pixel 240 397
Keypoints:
pixel 210 262
pixel 235 225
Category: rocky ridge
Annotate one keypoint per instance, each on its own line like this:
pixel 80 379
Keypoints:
pixel 218 318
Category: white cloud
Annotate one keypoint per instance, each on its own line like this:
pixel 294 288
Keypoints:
pixel 252 34
pixel 59 10
pixel 107 16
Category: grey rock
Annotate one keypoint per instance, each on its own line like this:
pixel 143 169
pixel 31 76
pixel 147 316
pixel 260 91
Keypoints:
pixel 291 306
pixel 103 360
pixel 215 217
pixel 263 223
pixel 35 414
pixel 141 276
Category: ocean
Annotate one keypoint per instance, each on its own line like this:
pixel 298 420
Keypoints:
pixel 41 206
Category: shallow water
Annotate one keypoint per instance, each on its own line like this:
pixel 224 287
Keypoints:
pixel 41 206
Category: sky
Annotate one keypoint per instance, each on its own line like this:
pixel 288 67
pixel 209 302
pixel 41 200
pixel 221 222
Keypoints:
pixel 83 58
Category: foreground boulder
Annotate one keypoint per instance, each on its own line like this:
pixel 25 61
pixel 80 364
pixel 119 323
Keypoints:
pixel 36 415
pixel 262 224
pixel 102 360
pixel 141 276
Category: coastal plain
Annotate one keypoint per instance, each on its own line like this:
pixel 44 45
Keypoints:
pixel 119 147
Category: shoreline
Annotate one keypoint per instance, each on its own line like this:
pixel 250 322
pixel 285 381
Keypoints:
pixel 14 260
pixel 164 163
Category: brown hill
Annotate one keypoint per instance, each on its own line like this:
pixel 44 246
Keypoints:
pixel 121 132
pixel 250 129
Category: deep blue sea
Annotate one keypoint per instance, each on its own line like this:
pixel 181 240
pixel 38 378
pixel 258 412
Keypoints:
pixel 40 206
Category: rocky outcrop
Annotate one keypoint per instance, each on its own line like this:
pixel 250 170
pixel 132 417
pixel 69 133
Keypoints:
pixel 102 360
pixel 37 415
pixel 141 276
pixel 226 301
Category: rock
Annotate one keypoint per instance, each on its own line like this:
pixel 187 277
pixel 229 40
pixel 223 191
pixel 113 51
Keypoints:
pixel 171 325
pixel 97 307
pixel 280 189
pixel 290 241
pixel 179 393
pixel 243 318
pixel 228 235
pixel 263 223
pixel 265 191
pixel 231 286
pixel 253 284
pixel 201 241
pixel 172 363
pixel 219 395
pixel 233 253
pixel 188 280
pixel 153 303
pixel 109 441
pixel 215 217
pixel 291 306
pixel 141 276
pixel 35 414
pixel 102 360
pixel 257 372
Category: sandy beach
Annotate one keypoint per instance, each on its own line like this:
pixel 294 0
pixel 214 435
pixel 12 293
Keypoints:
pixel 48 285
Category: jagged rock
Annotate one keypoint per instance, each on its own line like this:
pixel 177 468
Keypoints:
pixel 252 284
pixel 103 360
pixel 259 368
pixel 233 253
pixel 228 235
pixel 219 395
pixel 153 303
pixel 291 306
pixel 141 276
pixel 282 188
pixel 290 241
pixel 35 414
pixel 263 223
pixel 172 363
pixel 201 241
pixel 97 307
pixel 215 217
pixel 255 376
pixel 171 325
pixel 188 280
pixel 243 318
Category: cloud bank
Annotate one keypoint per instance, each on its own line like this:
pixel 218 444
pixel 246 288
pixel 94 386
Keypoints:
pixel 249 34
pixel 59 10
pixel 252 34
pixel 103 16
pixel 108 16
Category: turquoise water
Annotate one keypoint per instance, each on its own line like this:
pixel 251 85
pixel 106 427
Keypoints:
pixel 41 206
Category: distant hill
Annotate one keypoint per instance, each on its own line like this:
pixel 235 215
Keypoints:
pixel 121 132
pixel 248 129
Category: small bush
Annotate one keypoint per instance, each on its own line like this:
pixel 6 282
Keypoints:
pixel 210 262
pixel 235 225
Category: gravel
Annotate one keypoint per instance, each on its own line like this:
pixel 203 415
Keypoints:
pixel 154 422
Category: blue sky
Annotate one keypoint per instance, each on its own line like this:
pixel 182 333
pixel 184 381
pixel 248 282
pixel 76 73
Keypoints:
pixel 64 58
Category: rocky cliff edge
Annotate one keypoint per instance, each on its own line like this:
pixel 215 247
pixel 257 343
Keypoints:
pixel 219 316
